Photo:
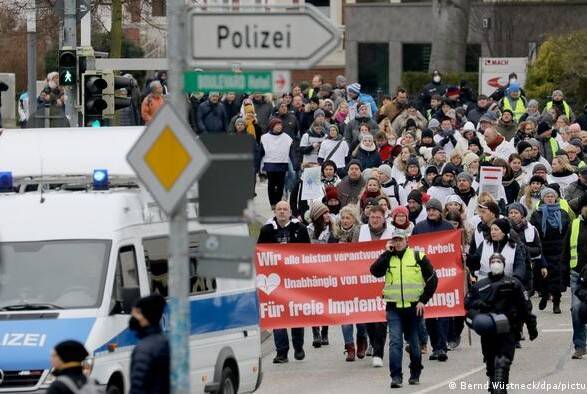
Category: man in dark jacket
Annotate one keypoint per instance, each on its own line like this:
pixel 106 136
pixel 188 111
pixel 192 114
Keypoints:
pixel 212 116
pixel 351 185
pixel 576 190
pixel 478 110
pixel 284 229
pixel 66 361
pixel 149 364
pixel 263 110
pixel 3 88
pixel 437 327
pixel 435 86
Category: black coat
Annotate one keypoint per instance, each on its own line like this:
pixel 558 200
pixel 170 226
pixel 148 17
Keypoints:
pixel 76 374
pixel 149 364
pixel 552 246
pixel 295 232
pixel 212 118
pixel 3 88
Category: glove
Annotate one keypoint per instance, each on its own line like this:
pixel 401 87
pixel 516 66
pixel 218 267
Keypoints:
pixel 532 328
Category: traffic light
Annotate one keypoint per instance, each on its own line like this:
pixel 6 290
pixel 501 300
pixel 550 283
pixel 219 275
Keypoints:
pixel 113 102
pixel 94 102
pixel 67 67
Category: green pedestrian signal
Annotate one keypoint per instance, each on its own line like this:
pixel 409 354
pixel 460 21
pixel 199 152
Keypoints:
pixel 67 67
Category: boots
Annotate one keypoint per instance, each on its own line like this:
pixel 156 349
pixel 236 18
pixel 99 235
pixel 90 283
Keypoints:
pixel 556 306
pixel 361 347
pixel 324 336
pixel 543 301
pixel 350 352
pixel 502 374
pixel 317 341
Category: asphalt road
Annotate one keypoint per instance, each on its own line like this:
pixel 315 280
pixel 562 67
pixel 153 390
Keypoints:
pixel 545 361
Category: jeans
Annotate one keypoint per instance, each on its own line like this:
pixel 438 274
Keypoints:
pixel 438 331
pixel 291 178
pixel 422 333
pixel 579 333
pixel 347 333
pixel 377 335
pixel 404 321
pixel 281 339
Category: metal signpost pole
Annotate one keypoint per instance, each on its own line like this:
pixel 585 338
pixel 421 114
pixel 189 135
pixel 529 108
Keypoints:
pixel 32 57
pixel 178 231
pixel 70 39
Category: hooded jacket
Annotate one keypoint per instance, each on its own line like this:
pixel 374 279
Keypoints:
pixel 150 363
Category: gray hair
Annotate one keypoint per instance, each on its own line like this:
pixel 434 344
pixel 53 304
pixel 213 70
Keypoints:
pixel 154 84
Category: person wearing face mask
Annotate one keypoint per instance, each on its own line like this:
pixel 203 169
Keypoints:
pixel 150 359
pixel 434 87
pixel 66 361
pixel 497 307
pixel 332 201
pixel 501 92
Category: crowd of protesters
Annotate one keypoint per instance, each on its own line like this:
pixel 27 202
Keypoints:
pixel 412 163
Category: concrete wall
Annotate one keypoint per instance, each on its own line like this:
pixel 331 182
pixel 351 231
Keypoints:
pixel 513 26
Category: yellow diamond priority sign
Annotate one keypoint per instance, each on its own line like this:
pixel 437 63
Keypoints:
pixel 168 159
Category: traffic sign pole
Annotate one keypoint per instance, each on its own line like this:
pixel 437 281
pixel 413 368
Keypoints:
pixel 178 230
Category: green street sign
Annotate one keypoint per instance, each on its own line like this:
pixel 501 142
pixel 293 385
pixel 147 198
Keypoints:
pixel 244 82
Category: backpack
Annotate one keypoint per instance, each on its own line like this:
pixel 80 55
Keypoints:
pixel 90 387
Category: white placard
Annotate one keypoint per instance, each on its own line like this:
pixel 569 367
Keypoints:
pixel 490 180
pixel 312 185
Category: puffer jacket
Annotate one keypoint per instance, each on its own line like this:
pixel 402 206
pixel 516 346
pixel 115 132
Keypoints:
pixel 149 364
pixel 212 118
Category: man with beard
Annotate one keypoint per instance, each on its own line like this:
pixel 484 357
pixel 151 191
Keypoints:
pixel 351 185
pixel 464 189
pixel 417 213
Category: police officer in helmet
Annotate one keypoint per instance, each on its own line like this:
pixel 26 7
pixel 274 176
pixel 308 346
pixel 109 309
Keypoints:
pixel 497 307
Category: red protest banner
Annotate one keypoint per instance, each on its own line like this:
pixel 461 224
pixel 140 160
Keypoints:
pixel 303 285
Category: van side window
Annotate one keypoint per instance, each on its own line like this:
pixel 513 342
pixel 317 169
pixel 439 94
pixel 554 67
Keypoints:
pixel 156 252
pixel 126 273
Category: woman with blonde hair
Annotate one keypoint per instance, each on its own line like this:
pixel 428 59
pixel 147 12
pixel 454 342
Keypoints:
pixel 400 164
pixel 562 173
pixel 341 113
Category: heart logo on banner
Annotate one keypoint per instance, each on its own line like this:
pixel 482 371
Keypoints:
pixel 267 284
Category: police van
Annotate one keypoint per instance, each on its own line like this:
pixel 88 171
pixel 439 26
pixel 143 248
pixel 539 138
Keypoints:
pixel 80 242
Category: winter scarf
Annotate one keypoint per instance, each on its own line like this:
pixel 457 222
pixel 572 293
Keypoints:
pixel 551 215
pixel 496 143
pixel 520 227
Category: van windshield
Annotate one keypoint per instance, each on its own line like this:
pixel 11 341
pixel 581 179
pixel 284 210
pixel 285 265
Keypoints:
pixel 52 274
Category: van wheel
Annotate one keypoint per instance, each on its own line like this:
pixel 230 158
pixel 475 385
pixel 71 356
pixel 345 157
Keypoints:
pixel 228 383
pixel 113 390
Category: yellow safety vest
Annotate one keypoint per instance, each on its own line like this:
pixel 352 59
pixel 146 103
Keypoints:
pixel 553 146
pixel 574 241
pixel 404 283
pixel 518 111
pixel 566 108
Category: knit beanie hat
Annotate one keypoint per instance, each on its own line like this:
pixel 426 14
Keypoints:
pixel 469 126
pixel 450 168
pixel 317 210
pixel 385 169
pixel 547 190
pixel 431 169
pixel 399 210
pixel 542 127
pixel 466 176
pixel 537 178
pixel 538 167
pixel 427 133
pixel 413 161
pixel 354 88
pixel 433 203
pixel 415 195
pixel 433 124
pixel 436 149
pixel 522 146
pixel 318 113
pixel 518 207
pixel 454 198
pixel 152 307
pixel 71 351
pixel 331 193
pixel 354 162
pixel 503 224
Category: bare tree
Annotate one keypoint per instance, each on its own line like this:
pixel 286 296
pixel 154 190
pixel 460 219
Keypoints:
pixel 449 42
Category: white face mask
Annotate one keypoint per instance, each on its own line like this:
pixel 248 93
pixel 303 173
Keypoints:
pixel 436 78
pixel 496 268
pixel 513 80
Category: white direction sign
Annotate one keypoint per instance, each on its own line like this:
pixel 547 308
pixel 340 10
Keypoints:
pixel 280 38
pixel 168 159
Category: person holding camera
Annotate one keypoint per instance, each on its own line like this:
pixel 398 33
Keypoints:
pixel 410 281
pixel 497 307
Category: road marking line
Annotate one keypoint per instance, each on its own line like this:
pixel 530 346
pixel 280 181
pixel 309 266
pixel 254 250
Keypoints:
pixel 558 330
pixel 453 379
